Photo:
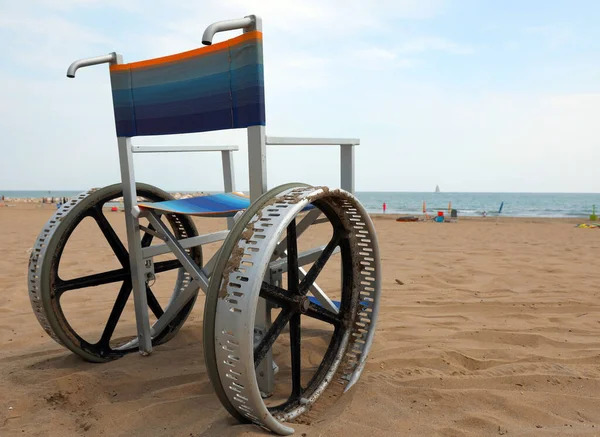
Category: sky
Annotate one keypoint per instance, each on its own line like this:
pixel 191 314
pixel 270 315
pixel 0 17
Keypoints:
pixel 473 95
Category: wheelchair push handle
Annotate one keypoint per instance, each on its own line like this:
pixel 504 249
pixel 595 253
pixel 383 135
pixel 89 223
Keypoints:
pixel 111 58
pixel 248 23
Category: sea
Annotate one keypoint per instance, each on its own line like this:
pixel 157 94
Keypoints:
pixel 466 204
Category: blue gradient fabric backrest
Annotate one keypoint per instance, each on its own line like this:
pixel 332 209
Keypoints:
pixel 211 88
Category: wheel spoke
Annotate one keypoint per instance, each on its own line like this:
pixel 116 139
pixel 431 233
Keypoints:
pixel 153 303
pixel 295 346
pixel 116 312
pixel 147 238
pixel 302 226
pixel 274 330
pixel 318 312
pixel 277 295
pixel 316 268
pixel 320 295
pixel 91 280
pixel 165 266
pixel 108 277
pixel 292 257
pixel 111 236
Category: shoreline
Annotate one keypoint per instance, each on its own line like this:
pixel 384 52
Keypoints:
pixel 37 203
pixel 50 200
pixel 576 208
pixel 488 219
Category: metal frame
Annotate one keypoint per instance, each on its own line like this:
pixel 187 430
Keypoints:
pixel 295 141
pixel 248 23
pixel 138 258
pixel 171 149
pixel 257 142
pixel 346 153
pixel 111 58
pixel 132 224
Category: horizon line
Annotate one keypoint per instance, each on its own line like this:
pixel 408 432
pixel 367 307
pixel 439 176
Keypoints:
pixel 356 191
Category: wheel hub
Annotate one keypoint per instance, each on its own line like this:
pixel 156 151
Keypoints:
pixel 303 304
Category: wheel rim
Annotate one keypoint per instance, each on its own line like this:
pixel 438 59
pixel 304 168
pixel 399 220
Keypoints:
pixel 241 283
pixel 210 305
pixel 52 288
pixel 295 305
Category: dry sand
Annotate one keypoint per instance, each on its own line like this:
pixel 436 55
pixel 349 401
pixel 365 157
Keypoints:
pixel 494 330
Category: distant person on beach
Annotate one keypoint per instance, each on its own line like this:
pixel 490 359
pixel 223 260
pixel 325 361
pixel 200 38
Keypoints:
pixel 384 207
pixel 484 214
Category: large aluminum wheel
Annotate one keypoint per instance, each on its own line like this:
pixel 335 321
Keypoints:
pixel 267 235
pixel 48 285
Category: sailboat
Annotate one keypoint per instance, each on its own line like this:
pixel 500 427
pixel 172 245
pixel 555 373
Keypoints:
pixel 437 188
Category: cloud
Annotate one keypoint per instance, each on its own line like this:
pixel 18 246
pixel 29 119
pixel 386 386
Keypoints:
pixel 313 20
pixel 554 36
pixel 336 68
pixel 512 45
pixel 52 26
pixel 478 142
pixel 44 40
pixel 435 44
pixel 300 70
pixel 375 58
pixel 73 5
pixel 376 53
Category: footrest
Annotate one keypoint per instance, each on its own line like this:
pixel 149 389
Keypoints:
pixel 314 300
pixel 335 302
pixel 214 205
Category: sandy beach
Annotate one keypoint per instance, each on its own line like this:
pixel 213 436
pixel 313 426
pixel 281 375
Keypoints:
pixel 487 327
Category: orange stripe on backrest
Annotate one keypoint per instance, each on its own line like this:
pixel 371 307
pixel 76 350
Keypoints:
pixel 254 35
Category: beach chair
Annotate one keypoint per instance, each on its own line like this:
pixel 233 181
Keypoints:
pixel 220 87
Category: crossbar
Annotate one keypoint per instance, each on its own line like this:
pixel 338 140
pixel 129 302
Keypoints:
pixel 307 257
pixel 186 243
pixel 173 149
pixel 184 258
pixel 295 141
pixel 346 146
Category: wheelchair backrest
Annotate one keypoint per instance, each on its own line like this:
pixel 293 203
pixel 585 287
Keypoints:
pixel 211 88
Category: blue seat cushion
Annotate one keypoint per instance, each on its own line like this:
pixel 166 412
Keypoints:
pixel 215 205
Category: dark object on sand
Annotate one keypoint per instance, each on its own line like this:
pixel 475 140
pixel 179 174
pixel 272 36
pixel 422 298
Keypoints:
pixel 410 218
